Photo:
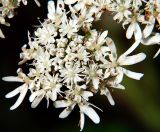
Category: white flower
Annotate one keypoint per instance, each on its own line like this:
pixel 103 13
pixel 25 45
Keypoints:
pixel 82 54
pixel 57 63
pixel 78 96
pixel 135 29
pixel 85 18
pixel 56 14
pixel 122 9
pixel 105 91
pixel 149 27
pixel 43 61
pixel 137 3
pixel 69 28
pixel 22 90
pixel 30 53
pixel 97 43
pixel 93 73
pixel 66 52
pixel 152 14
pixel 46 33
pixel 90 112
pixel 72 73
pixel 102 4
pixel 50 87
pixel 116 69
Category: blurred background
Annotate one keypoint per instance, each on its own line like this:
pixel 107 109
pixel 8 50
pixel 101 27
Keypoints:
pixel 137 108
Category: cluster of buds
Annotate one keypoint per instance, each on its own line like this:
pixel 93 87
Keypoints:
pixel 69 61
pixel 7 10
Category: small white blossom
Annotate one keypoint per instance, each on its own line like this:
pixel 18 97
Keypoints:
pixel 135 29
pixel 43 61
pixel 46 33
pixel 71 74
pixel 22 90
pixel 97 43
pixel 49 89
pixel 69 28
pixel 56 14
pixel 93 73
pixel 122 9
pixel 78 96
pixel 114 65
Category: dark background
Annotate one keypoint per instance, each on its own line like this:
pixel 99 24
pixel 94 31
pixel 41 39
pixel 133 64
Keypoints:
pixel 137 108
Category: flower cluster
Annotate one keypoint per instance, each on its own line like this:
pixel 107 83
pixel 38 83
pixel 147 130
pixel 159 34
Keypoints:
pixel 70 61
pixel 134 13
pixel 7 11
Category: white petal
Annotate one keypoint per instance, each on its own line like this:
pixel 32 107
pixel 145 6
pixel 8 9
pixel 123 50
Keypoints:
pixel 33 96
pixel 112 47
pixel 72 9
pixel 118 86
pixel 130 60
pixel 1 34
pixel 77 79
pixel 21 97
pixel 83 86
pixel 133 75
pixel 53 96
pixel 148 29
pixel 91 113
pixel 117 16
pixel 15 92
pixel 82 120
pixel 68 2
pixel 89 20
pixel 62 103
pixel 113 84
pixel 51 7
pixel 77 6
pixel 47 95
pixel 130 30
pixel 37 2
pixel 12 79
pixel 95 82
pixel 38 99
pixel 106 74
pixel 131 49
pixel 60 6
pixel 137 32
pixel 109 96
pixel 102 37
pixel 125 23
pixel 24 2
pixel 151 40
pixel 104 49
pixel 119 77
pixel 158 52
pixel 86 94
pixel 66 111
pixel 95 107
